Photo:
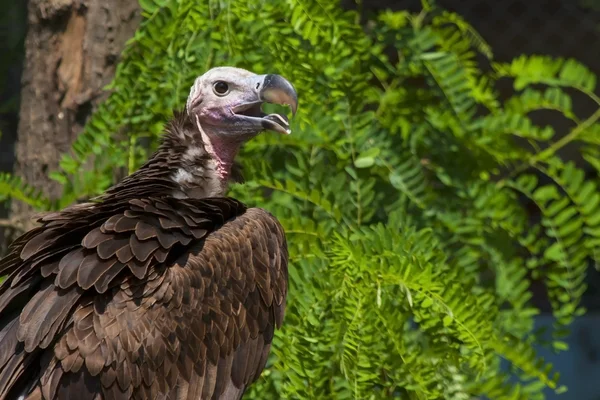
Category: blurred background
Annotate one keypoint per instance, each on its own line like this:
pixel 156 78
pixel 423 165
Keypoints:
pixel 45 103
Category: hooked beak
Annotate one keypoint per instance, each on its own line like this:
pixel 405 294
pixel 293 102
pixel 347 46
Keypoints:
pixel 277 90
pixel 273 89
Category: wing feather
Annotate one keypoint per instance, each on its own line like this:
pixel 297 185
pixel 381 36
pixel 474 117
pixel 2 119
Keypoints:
pixel 151 298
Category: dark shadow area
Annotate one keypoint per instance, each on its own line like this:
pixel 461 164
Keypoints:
pixel 13 26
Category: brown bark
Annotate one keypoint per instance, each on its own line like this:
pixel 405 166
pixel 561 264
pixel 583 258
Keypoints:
pixel 71 51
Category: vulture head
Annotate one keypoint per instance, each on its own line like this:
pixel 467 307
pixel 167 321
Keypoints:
pixel 225 103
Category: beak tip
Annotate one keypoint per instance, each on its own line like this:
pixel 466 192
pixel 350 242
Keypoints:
pixel 276 89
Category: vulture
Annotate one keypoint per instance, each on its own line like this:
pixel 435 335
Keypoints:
pixel 162 287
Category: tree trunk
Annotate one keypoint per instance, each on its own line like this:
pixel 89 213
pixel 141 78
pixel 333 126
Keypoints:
pixel 71 51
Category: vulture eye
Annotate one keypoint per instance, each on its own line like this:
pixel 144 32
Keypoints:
pixel 221 88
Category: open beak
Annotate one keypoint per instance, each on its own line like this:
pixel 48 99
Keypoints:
pixel 273 89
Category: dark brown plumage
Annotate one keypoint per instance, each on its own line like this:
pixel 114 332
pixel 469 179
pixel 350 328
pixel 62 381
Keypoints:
pixel 144 293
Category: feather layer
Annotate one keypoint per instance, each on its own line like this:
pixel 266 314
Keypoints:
pixel 142 298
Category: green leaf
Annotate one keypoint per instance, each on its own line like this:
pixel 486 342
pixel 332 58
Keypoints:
pixel 428 302
pixel 367 158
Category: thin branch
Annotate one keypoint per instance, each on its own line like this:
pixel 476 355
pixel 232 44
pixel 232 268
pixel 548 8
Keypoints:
pixel 18 223
pixel 9 223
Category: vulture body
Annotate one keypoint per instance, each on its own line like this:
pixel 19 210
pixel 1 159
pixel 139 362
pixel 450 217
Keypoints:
pixel 162 288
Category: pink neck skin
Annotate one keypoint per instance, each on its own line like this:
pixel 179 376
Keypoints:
pixel 222 150
pixel 224 153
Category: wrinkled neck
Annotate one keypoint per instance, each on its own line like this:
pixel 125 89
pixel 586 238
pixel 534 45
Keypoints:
pixel 223 152
pixel 189 163
pixel 206 165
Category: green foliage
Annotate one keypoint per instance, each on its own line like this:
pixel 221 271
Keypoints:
pixel 402 190
pixel 14 187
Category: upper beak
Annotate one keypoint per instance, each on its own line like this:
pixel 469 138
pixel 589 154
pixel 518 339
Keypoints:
pixel 269 88
pixel 277 90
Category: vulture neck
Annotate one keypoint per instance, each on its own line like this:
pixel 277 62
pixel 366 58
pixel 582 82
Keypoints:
pixel 187 164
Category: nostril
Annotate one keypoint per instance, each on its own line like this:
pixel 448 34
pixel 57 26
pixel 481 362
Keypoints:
pixel 257 85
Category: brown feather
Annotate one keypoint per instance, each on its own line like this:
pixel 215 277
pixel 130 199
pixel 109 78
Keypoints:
pixel 68 269
pixel 144 231
pixel 88 277
pixel 94 238
pixel 104 281
pixel 50 268
pixel 37 243
pixel 142 249
pixel 48 307
pixel 109 225
pixel 110 248
pixel 8 340
pixel 125 224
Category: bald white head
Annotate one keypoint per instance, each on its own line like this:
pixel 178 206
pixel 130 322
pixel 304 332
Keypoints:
pixel 226 102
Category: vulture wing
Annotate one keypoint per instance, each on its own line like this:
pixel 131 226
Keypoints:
pixel 152 298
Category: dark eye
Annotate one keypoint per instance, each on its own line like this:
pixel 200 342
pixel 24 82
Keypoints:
pixel 221 88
